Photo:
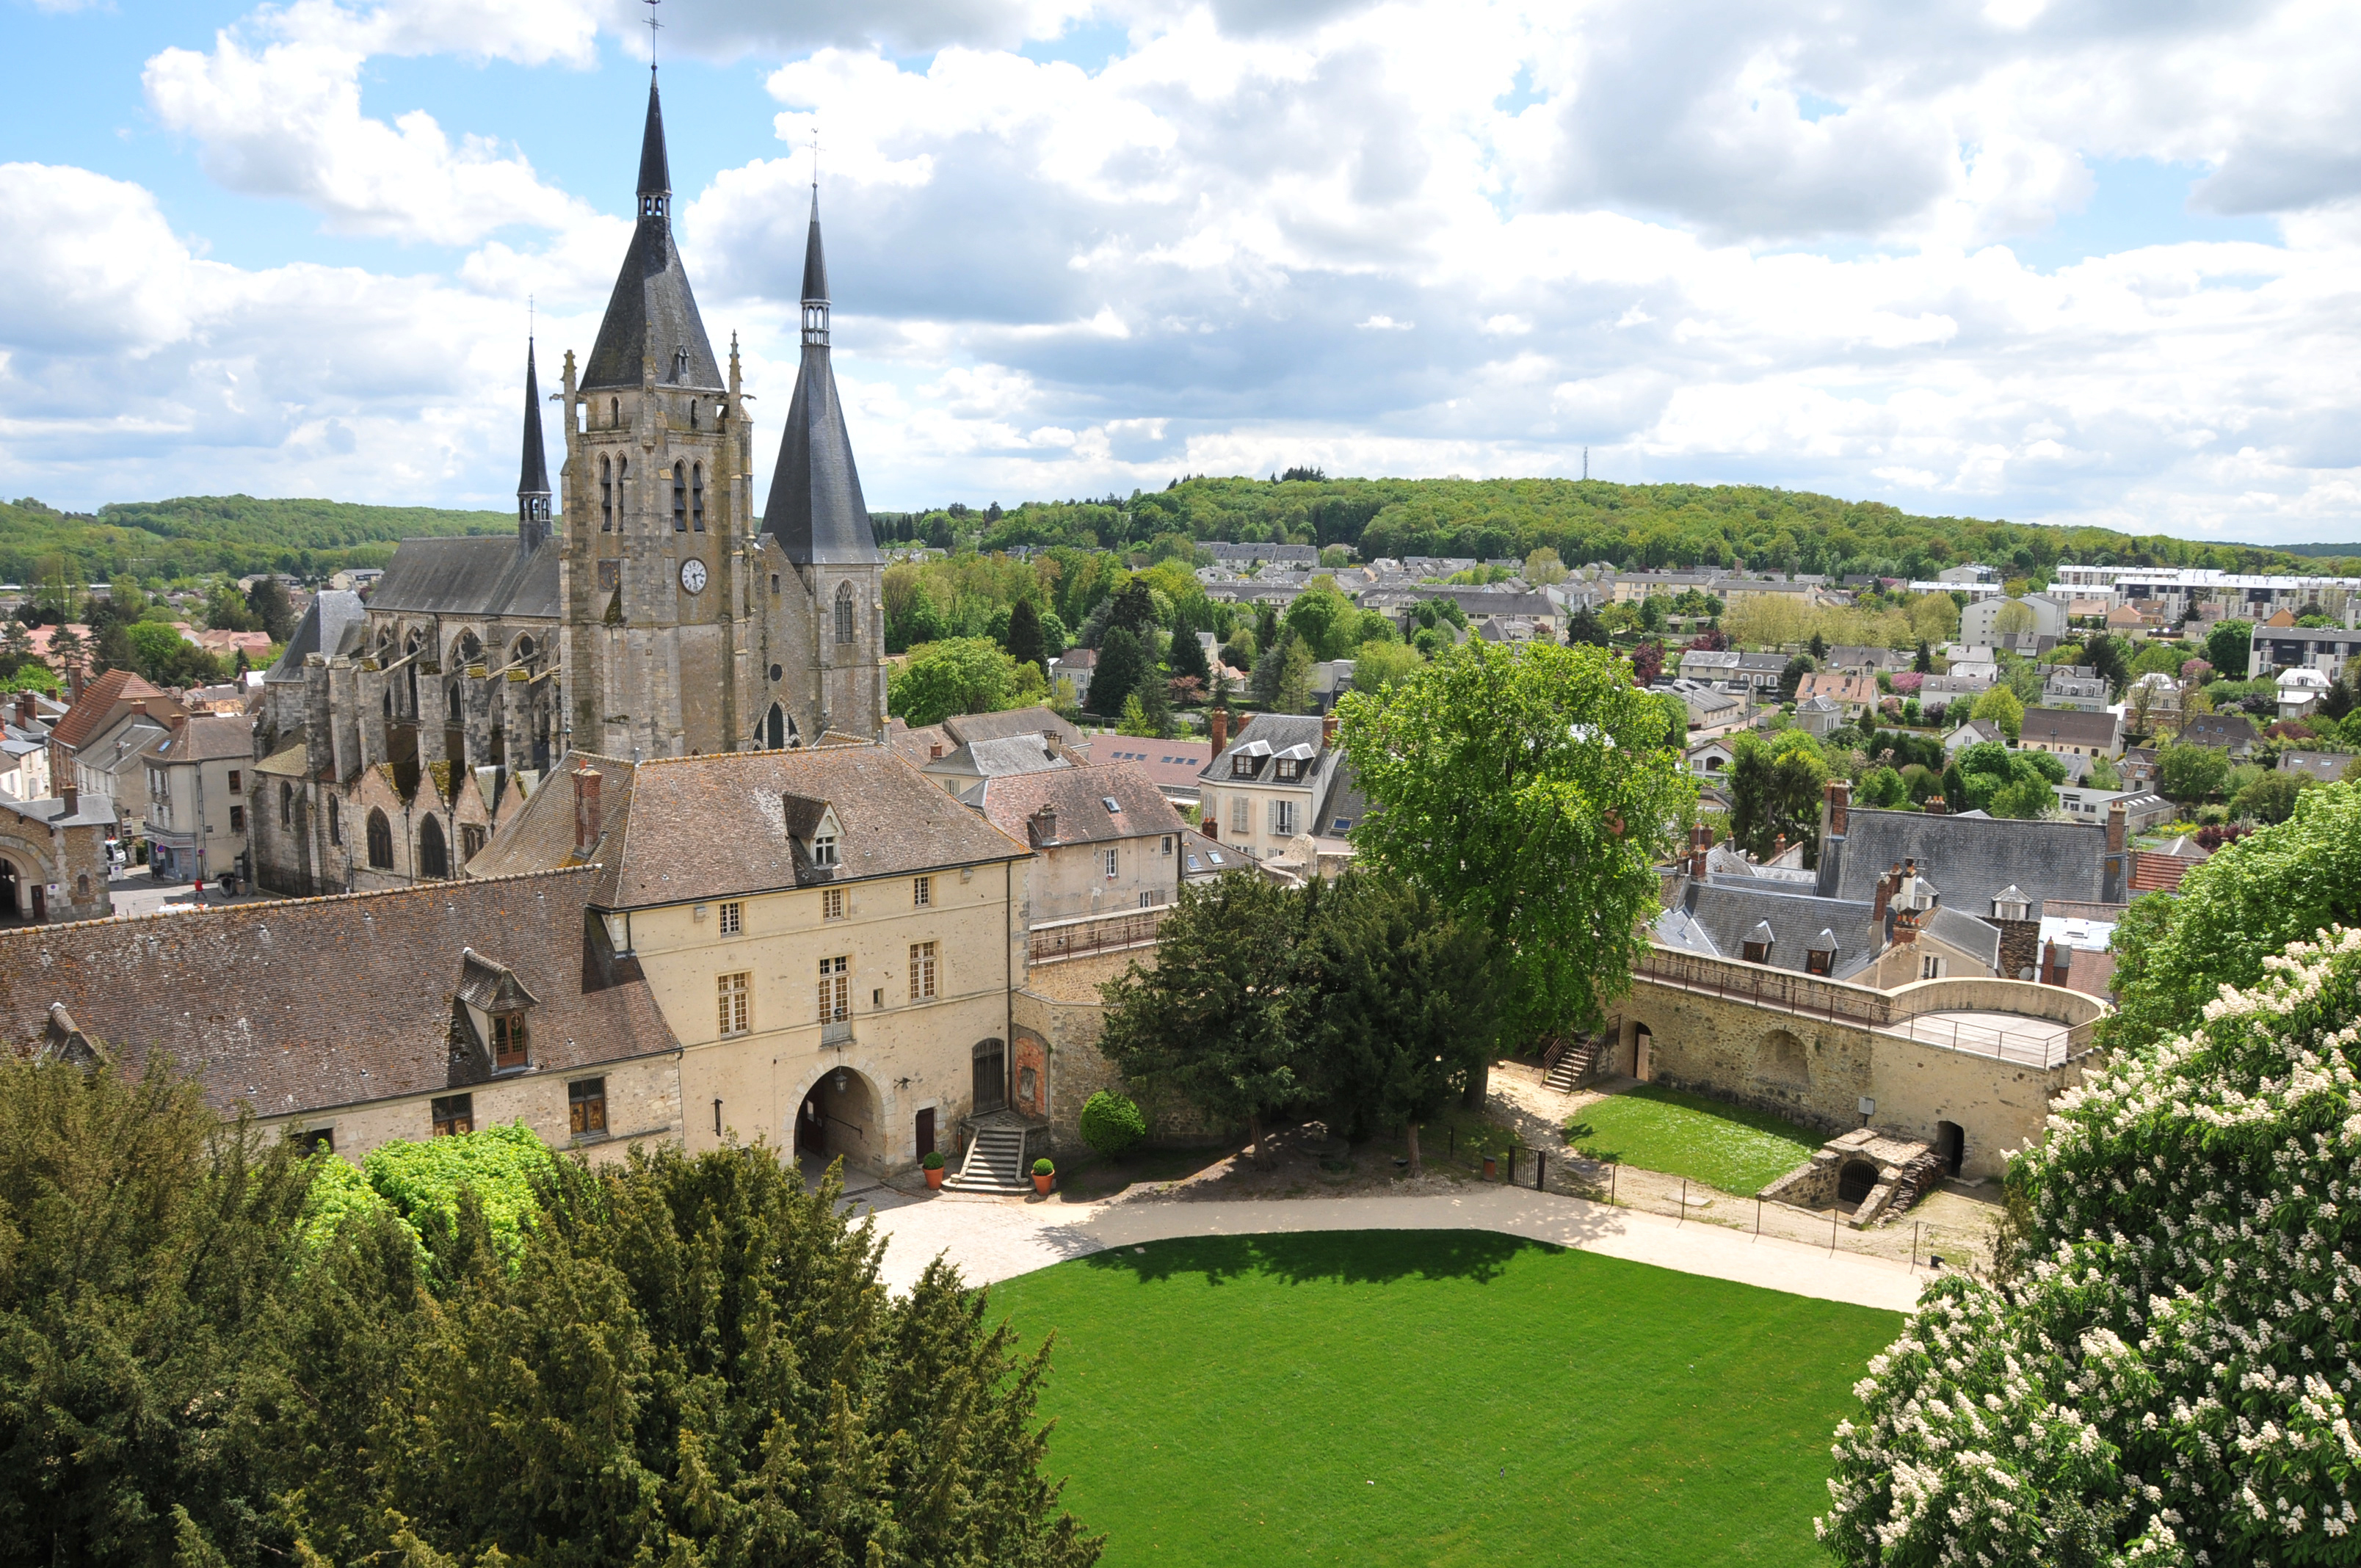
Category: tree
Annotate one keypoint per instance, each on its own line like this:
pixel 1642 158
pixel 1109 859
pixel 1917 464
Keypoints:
pixel 2270 799
pixel 1123 666
pixel 1186 656
pixel 1381 666
pixel 1325 619
pixel 1774 791
pixel 2102 774
pixel 2161 1373
pixel 68 651
pixel 2002 707
pixel 958 674
pixel 1211 1023
pixel 1530 789
pixel 1923 661
pixel 1543 567
pixel 2014 617
pixel 2190 775
pixel 1648 662
pixel 1651 614
pixel 1025 642
pixel 1292 689
pixel 1791 679
pixel 2105 655
pixel 1991 778
pixel 1583 627
pixel 1400 1001
pixel 272 612
pixel 1135 609
pixel 1820 647
pixel 2227 647
pixel 1881 786
pixel 2278 884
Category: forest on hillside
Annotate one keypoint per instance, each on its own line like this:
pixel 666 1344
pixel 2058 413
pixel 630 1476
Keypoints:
pixel 194 536
pixel 1583 520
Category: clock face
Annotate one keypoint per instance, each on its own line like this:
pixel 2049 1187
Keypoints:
pixel 692 575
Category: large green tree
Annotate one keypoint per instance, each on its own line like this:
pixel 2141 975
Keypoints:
pixel 1212 1025
pixel 1776 785
pixel 1530 789
pixel 958 674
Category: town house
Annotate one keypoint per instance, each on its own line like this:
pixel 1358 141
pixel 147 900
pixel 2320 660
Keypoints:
pixel 1271 783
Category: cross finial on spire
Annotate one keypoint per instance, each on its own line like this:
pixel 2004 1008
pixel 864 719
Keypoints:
pixel 815 167
pixel 654 27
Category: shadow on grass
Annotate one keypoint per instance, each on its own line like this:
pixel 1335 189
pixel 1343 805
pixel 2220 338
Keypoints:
pixel 1356 1258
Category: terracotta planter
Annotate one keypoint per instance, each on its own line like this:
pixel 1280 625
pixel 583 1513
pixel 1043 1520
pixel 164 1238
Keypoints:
pixel 1041 1184
pixel 935 1178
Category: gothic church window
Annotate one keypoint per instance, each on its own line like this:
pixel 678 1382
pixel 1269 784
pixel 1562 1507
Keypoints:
pixel 615 413
pixel 434 856
pixel 680 498
pixel 606 494
pixel 843 612
pixel 697 497
pixel 335 823
pixel 381 842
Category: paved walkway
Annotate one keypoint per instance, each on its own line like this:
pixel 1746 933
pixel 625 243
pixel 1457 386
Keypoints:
pixel 991 1239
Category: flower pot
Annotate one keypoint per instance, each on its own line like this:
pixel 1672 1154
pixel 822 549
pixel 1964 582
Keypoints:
pixel 934 1179
pixel 1041 1184
pixel 1491 1169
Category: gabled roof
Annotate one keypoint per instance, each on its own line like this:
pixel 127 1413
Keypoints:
pixel 1720 920
pixel 1263 734
pixel 105 699
pixel 205 737
pixel 332 615
pixel 488 575
pixel 235 994
pixel 2069 726
pixel 651 309
pixel 1080 797
pixel 967 728
pixel 491 984
pixel 995 759
pixel 1971 859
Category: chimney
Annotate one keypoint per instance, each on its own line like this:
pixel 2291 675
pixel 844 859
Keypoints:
pixel 1220 718
pixel 1935 807
pixel 2115 828
pixel 1045 826
pixel 1886 886
pixel 72 796
pixel 1328 730
pixel 1838 804
pixel 934 751
pixel 1701 851
pixel 73 685
pixel 25 709
pixel 586 780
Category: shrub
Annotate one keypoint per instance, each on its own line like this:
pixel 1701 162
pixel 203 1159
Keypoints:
pixel 933 1160
pixel 498 1165
pixel 1043 1168
pixel 1111 1123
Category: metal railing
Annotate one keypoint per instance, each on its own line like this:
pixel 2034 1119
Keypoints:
pixel 1761 987
pixel 1055 939
pixel 837 1033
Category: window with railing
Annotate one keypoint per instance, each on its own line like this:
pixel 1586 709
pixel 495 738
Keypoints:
pixel 835 990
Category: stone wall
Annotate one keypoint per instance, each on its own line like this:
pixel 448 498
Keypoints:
pixel 643 1105
pixel 1057 1012
pixel 1816 1071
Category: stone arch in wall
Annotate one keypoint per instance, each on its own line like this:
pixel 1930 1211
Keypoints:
pixel 381 842
pixel 842 1112
pixel 1779 1057
pixel 433 852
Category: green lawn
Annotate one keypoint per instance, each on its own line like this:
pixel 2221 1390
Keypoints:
pixel 1729 1147
pixel 1436 1398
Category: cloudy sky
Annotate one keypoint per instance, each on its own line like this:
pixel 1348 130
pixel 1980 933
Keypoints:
pixel 2043 259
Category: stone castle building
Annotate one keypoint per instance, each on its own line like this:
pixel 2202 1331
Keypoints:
pixel 652 612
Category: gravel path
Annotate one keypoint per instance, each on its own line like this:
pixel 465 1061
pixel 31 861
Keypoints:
pixel 993 1239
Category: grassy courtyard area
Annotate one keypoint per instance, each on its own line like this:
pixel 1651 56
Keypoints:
pixel 1731 1148
pixel 1447 1397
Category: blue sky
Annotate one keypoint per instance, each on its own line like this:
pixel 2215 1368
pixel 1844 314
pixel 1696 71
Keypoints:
pixel 2050 261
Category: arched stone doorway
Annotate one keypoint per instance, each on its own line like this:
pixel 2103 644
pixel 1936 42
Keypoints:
pixel 1855 1182
pixel 840 1116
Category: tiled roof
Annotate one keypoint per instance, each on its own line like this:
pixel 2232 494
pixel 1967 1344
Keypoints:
pixel 2155 872
pixel 689 828
pixel 1969 858
pixel 245 997
pixel 1716 919
pixel 966 728
pixel 2068 726
pixel 1173 764
pixel 102 700
pixel 206 738
pixel 1078 796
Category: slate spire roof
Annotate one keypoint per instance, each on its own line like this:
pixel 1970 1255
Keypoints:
pixel 814 509
pixel 532 478
pixel 652 310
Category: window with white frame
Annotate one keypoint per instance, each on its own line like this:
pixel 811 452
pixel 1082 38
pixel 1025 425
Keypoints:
pixel 922 970
pixel 1167 850
pixel 1930 967
pixel 733 918
pixel 737 1003
pixel 835 990
pixel 1109 863
pixel 1283 817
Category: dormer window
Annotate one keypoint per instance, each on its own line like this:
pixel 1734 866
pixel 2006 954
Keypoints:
pixel 508 1040
pixel 1241 767
pixel 823 846
pixel 1289 771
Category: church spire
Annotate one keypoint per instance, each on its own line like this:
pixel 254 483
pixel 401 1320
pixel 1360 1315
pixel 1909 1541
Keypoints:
pixel 532 476
pixel 656 169
pixel 815 281
pixel 814 509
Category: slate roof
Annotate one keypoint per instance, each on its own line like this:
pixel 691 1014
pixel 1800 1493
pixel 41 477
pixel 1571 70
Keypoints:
pixel 1079 795
pixel 2068 726
pixel 207 737
pixel 681 828
pixel 965 728
pixel 1961 929
pixel 532 473
pixel 652 307
pixel 997 759
pixel 332 614
pixel 239 993
pixel 488 575
pixel 1273 733
pixel 814 509
pixel 1202 858
pixel 1969 858
pixel 2229 730
pixel 1715 919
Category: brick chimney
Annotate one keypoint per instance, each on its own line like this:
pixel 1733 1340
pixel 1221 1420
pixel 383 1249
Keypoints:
pixel 24 710
pixel 2116 833
pixel 586 827
pixel 1837 805
pixel 1220 719
pixel 1044 826
pixel 1935 807
pixel 1886 886
pixel 1701 851
pixel 1328 730
pixel 72 796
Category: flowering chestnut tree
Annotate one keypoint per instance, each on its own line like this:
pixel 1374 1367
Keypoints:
pixel 2170 1376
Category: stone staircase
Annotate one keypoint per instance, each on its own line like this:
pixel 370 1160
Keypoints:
pixel 1568 1062
pixel 996 1163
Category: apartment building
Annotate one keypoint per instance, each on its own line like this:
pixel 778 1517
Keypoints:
pixel 198 773
pixel 1274 780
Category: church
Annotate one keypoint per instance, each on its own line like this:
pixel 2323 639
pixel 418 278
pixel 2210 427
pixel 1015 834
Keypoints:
pixel 652 613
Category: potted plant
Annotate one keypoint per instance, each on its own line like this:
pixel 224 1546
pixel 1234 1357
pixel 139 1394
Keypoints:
pixel 1044 1173
pixel 933 1166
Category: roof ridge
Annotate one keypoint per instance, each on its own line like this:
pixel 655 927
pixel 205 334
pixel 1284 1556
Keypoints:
pixel 28 932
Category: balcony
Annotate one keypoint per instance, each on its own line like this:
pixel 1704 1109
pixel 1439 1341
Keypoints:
pixel 836 1034
pixel 1054 940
